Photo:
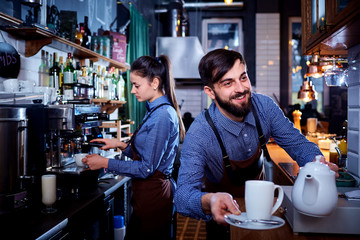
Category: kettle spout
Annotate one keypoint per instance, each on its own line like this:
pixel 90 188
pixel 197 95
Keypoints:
pixel 310 191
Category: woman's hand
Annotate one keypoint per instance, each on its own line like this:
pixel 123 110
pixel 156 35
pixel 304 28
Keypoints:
pixel 95 161
pixel 110 143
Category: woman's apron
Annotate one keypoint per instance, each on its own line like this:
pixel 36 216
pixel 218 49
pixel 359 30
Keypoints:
pixel 152 202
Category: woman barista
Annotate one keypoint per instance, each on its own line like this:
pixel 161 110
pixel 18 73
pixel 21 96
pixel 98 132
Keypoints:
pixel 153 148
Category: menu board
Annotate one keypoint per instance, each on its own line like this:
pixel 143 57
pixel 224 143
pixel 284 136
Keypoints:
pixel 9 61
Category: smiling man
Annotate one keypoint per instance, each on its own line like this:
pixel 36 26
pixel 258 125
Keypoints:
pixel 221 149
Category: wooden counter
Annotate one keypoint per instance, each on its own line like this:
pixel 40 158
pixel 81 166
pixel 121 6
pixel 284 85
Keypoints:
pixel 281 177
pixel 284 232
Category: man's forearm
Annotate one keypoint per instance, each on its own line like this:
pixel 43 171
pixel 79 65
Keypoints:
pixel 205 203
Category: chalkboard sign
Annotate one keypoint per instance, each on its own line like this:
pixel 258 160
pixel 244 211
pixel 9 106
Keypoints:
pixel 9 61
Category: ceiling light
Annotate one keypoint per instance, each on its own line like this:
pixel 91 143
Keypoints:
pixel 228 2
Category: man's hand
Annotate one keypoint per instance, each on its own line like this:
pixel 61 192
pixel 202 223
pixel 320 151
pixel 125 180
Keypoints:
pixel 332 166
pixel 219 204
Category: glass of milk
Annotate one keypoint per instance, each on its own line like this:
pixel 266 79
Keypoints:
pixel 48 188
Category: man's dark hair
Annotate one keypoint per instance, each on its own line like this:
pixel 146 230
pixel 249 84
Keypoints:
pixel 215 64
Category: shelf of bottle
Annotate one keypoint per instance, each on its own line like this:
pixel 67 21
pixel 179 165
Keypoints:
pixel 36 38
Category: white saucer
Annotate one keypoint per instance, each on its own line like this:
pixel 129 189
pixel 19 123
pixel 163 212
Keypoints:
pixel 254 226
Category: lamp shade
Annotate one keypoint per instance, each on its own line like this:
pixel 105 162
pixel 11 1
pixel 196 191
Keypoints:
pixel 314 69
pixel 307 92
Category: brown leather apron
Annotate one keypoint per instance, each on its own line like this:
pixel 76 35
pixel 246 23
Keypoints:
pixel 248 169
pixel 237 190
pixel 152 202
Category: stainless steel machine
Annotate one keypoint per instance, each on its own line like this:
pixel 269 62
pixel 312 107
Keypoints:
pixel 36 139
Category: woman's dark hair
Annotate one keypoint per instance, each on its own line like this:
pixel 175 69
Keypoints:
pixel 159 67
pixel 215 64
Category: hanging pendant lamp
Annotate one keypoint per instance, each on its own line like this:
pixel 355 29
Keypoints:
pixel 307 91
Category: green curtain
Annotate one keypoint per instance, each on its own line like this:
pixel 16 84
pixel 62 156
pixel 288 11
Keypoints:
pixel 138 46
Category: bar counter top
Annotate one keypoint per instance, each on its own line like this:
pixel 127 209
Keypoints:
pixel 282 177
pixel 71 212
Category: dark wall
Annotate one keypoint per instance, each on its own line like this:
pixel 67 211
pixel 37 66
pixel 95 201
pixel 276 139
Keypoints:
pixel 287 9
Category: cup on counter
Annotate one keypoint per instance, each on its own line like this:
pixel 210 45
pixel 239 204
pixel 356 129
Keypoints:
pixel 78 158
pixel 11 85
pixel 26 86
pixel 48 189
pixel 259 199
pixel 311 124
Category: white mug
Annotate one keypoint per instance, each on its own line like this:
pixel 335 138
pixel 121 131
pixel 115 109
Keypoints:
pixel 78 158
pixel 259 199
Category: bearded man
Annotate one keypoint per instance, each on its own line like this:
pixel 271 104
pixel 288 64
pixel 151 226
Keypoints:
pixel 222 150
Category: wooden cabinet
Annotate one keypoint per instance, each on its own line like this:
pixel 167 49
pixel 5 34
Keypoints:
pixel 329 27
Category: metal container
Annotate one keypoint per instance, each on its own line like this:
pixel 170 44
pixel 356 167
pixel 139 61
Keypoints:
pixel 61 117
pixel 13 149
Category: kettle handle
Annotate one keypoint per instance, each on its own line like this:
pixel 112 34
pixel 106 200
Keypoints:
pixel 279 198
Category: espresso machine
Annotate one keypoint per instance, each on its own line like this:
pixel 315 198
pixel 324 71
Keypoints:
pixel 70 129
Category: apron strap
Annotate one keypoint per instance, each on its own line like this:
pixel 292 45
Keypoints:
pixel 138 128
pixel 223 150
pixel 261 135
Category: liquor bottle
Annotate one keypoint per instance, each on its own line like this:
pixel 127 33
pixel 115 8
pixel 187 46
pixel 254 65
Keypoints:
pixel 121 87
pixel 86 34
pixel 61 75
pixel 97 83
pixel 42 76
pixel 54 73
pixel 46 70
pixel 69 70
pixel 78 36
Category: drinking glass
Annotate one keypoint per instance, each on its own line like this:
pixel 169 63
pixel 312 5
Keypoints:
pixel 48 187
pixel 336 76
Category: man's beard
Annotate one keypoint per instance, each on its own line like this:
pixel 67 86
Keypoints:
pixel 233 109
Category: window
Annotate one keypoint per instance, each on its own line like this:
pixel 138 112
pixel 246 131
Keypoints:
pixel 297 67
pixel 222 33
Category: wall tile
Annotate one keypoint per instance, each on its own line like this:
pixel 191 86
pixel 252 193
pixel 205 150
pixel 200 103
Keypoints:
pixel 353 119
pixel 353 163
pixel 353 141
pixel 354 96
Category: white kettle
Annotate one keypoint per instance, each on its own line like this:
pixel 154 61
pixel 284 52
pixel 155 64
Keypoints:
pixel 314 192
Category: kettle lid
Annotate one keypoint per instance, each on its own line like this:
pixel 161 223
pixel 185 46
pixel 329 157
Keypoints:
pixel 317 166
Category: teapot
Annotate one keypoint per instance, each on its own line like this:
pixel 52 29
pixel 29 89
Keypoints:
pixel 314 192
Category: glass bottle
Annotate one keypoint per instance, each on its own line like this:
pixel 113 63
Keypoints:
pixel 61 75
pixel 54 73
pixel 69 70
pixel 78 36
pixel 121 87
pixel 86 34
pixel 42 69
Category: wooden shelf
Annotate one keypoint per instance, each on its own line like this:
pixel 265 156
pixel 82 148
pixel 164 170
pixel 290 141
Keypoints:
pixel 36 38
pixel 108 106
pixel 117 124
